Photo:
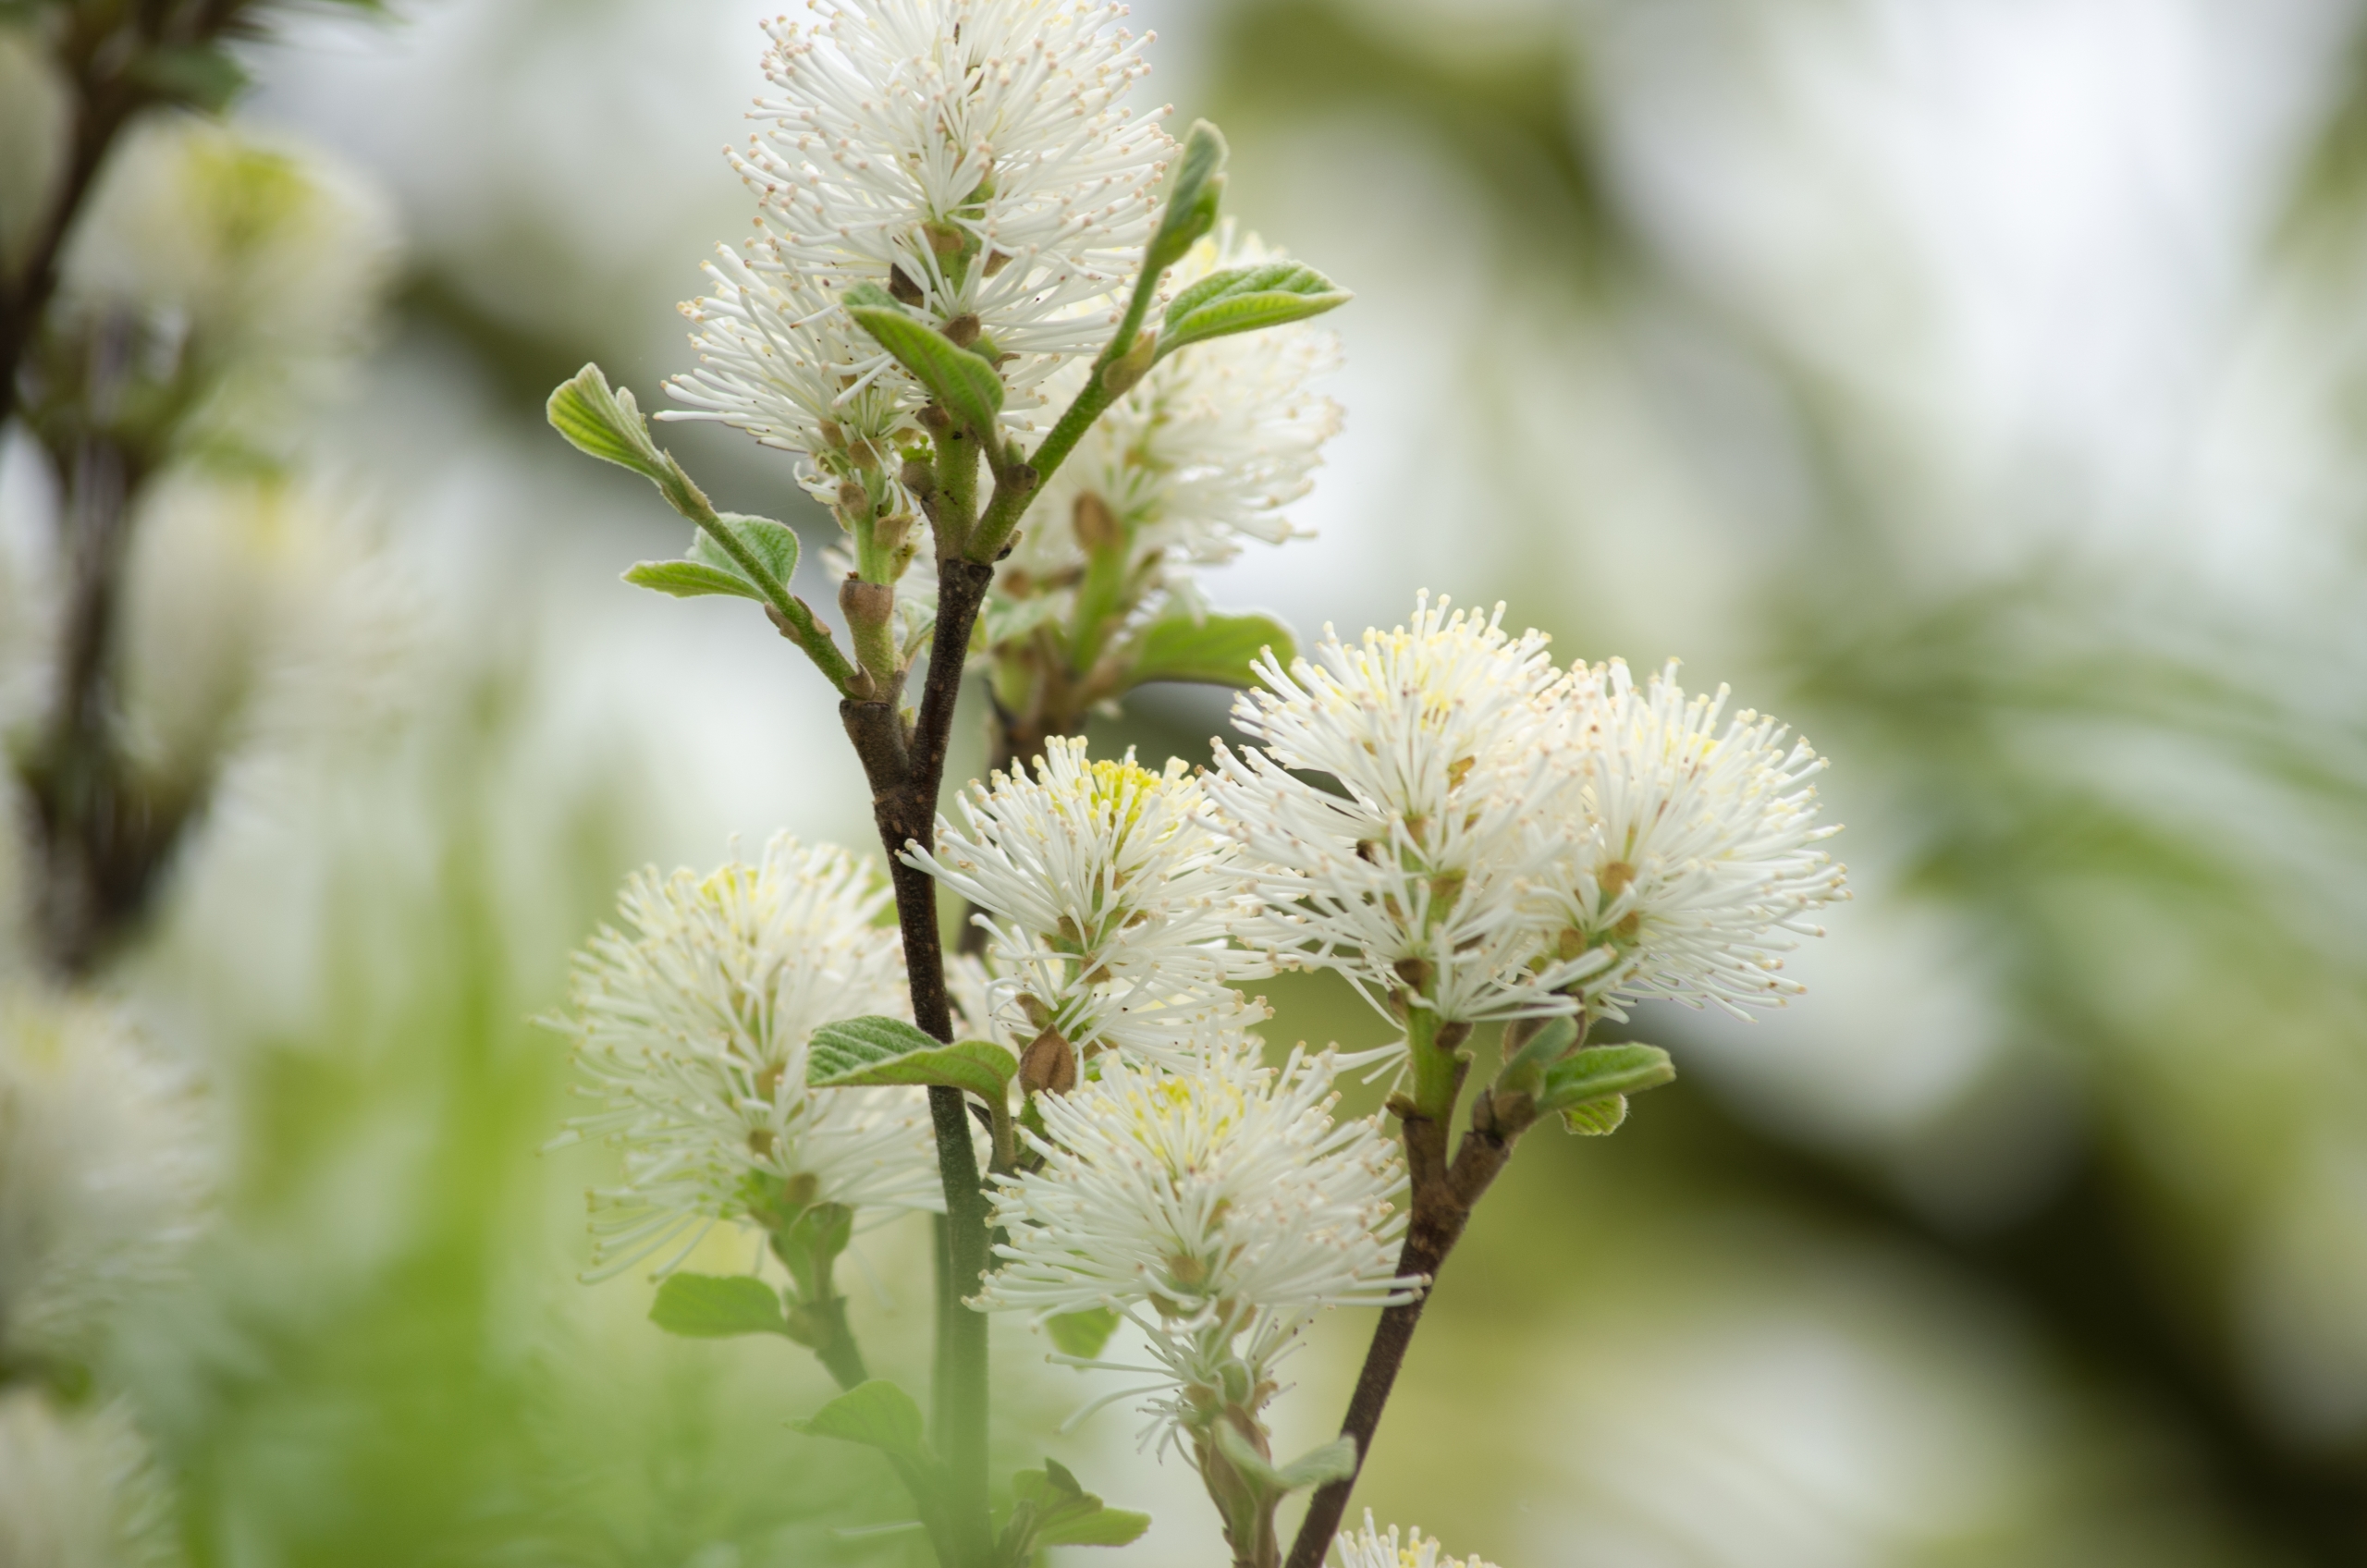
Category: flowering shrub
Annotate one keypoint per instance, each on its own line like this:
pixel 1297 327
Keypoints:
pixel 1036 379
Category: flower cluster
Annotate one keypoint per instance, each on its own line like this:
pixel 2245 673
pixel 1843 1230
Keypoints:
pixel 975 159
pixel 1509 840
pixel 1217 1205
pixel 1419 881
pixel 1369 1549
pixel 103 1174
pixel 691 1026
pixel 1689 848
pixel 1109 905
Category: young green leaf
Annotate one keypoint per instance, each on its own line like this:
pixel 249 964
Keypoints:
pixel 1246 299
pixel 1082 1334
pixel 1603 1071
pixel 1596 1119
pixel 865 1051
pixel 688 580
pixel 605 423
pixel 774 544
pixel 969 386
pixel 712 1306
pixel 1049 1509
pixel 875 1415
pixel 1335 1461
pixel 1216 650
pixel 1192 195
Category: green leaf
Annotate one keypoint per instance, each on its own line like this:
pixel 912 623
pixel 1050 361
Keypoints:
pixel 1524 1071
pixel 709 568
pixel 875 1415
pixel 1192 198
pixel 605 423
pixel 1049 1509
pixel 201 75
pixel 1082 1334
pixel 1603 1072
pixel 1595 1118
pixel 1246 299
pixel 1217 650
pixel 688 580
pixel 1101 1525
pixel 874 1050
pixel 968 385
pixel 1335 1461
pixel 773 543
pixel 711 1306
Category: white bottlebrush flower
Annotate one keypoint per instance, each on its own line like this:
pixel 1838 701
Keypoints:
pixel 1206 450
pixel 1109 903
pixel 781 359
pixel 1420 881
pixel 973 157
pixel 1691 845
pixel 78 1489
pixel 1218 1208
pixel 692 1024
pixel 1369 1549
pixel 103 1177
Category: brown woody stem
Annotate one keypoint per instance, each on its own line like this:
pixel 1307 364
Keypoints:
pixel 1443 1195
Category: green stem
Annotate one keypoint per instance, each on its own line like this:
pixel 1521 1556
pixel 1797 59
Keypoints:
pixel 1436 1063
pixel 957 490
pixel 1003 510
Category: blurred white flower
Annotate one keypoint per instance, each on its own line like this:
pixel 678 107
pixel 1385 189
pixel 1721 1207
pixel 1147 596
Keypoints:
pixel 691 1026
pixel 103 1177
pixel 1206 450
pixel 1218 1208
pixel 1369 1549
pixel 1419 881
pixel 974 158
pixel 77 1489
pixel 1691 847
pixel 262 263
pixel 1110 904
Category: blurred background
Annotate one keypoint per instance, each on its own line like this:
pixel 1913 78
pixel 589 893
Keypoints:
pixel 1979 385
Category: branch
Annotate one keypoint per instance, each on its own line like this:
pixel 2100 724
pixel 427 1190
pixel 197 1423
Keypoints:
pixel 1443 1197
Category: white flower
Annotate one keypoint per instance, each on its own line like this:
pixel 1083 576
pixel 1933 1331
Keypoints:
pixel 781 359
pixel 1691 847
pixel 256 262
pixel 1207 449
pixel 1422 879
pixel 1109 903
pixel 693 1028
pixel 1218 1208
pixel 1369 1549
pixel 78 1489
pixel 103 1175
pixel 973 157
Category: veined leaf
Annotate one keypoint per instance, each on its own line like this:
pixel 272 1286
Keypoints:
pixel 1335 1461
pixel 875 1415
pixel 877 1050
pixel 1246 299
pixel 1596 1119
pixel 968 385
pixel 1217 650
pixel 687 580
pixel 1049 1509
pixel 1602 1072
pixel 605 423
pixel 712 1306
